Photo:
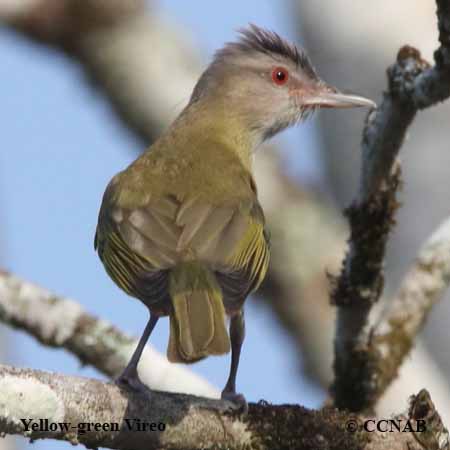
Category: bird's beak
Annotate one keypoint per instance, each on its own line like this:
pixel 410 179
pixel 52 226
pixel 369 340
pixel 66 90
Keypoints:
pixel 324 96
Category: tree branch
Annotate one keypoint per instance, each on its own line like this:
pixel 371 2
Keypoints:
pixel 413 85
pixel 424 285
pixel 59 322
pixel 189 422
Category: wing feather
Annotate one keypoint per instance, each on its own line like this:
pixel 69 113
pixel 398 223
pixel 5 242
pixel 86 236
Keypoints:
pixel 140 247
pixel 158 256
pixel 191 219
pixel 211 228
pixel 154 227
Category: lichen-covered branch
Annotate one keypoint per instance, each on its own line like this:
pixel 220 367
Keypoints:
pixel 358 287
pixel 59 322
pixel 181 421
pixel 413 85
pixel 423 286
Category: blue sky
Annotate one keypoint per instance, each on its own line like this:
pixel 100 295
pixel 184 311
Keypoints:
pixel 60 145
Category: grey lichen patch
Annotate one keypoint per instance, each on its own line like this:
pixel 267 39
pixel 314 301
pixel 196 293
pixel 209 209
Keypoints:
pixel 387 352
pixel 95 331
pixel 435 251
pixel 65 311
pixel 208 428
pixel 19 396
pixel 240 429
pixel 99 343
pixel 52 319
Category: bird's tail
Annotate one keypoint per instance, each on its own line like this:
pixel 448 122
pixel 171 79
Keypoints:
pixel 197 320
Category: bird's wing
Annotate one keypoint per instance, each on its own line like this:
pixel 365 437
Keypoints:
pixel 231 239
pixel 247 260
pixel 140 246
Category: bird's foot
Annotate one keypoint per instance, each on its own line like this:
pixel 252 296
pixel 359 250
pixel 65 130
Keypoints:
pixel 238 400
pixel 129 379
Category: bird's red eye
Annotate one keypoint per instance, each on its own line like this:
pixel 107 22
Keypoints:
pixel 280 75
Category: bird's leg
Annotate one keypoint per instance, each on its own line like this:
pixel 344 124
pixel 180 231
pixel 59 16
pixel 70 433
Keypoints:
pixel 129 377
pixel 237 334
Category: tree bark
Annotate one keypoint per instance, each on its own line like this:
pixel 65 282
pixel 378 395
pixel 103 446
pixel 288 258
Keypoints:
pixel 189 422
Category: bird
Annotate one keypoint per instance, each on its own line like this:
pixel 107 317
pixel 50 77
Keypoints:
pixel 181 228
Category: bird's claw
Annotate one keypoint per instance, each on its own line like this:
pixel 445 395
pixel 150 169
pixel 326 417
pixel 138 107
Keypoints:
pixel 238 401
pixel 132 382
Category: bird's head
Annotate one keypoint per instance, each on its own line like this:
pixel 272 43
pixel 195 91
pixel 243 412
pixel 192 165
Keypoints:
pixel 267 83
